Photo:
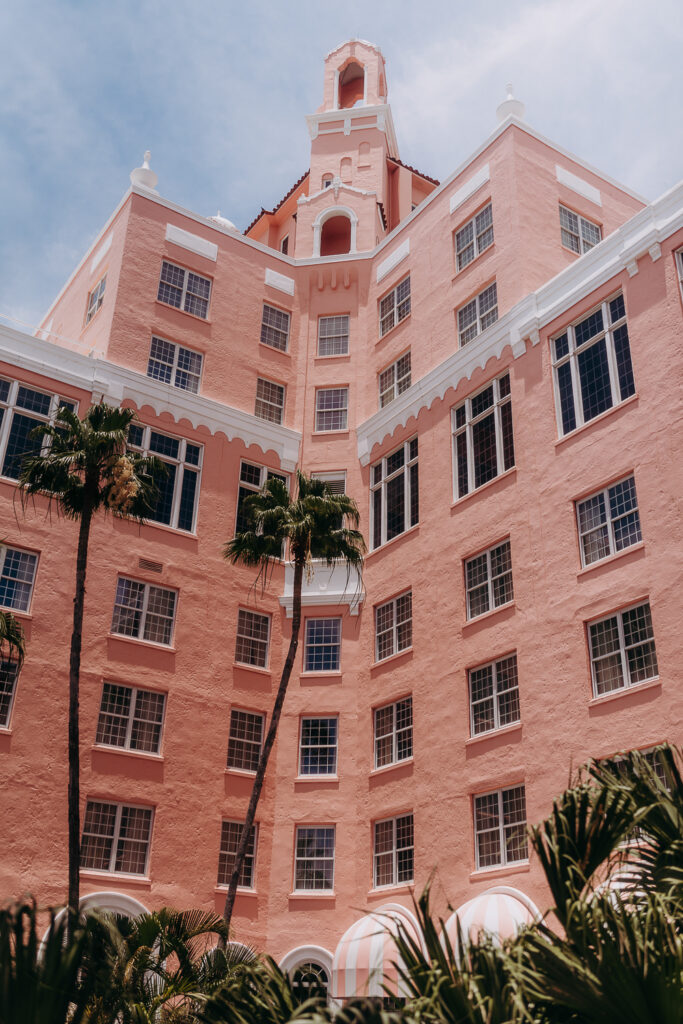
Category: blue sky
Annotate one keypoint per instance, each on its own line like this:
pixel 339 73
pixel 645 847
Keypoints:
pixel 218 90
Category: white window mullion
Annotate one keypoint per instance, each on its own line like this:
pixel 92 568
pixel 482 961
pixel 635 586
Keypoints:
pixel 611 357
pixel 131 716
pixel 143 613
pixel 115 841
pixel 622 651
pixel 503 853
pixel 470 449
pixel 576 383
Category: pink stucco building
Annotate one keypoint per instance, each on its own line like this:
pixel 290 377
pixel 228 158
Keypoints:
pixel 491 367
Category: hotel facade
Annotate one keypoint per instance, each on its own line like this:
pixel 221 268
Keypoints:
pixel 491 367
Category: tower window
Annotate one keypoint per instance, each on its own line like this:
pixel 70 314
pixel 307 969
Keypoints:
pixel 351 85
pixel 335 239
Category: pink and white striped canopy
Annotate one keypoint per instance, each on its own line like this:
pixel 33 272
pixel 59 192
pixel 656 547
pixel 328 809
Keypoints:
pixel 365 958
pixel 500 912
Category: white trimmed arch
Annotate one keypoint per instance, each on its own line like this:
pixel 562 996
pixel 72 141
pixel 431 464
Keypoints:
pixel 325 215
pixel 305 954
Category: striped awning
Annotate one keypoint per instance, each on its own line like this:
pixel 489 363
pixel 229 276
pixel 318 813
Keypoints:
pixel 500 912
pixel 365 959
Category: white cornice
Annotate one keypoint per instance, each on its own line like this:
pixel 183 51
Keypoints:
pixel 117 384
pixel 640 236
pixel 381 111
pixel 329 586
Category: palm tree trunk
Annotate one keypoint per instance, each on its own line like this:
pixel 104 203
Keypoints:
pixel 268 744
pixel 73 811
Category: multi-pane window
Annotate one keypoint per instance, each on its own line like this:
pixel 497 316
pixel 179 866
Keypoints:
pixel 252 479
pixel 116 837
pixel 253 630
pixel 483 445
pixel 336 482
pixel 246 737
pixel 270 400
pixel 275 327
pixel 314 858
pixel 323 645
pixel 331 408
pixel 474 237
pixel 394 492
pixel 130 718
pixel 95 299
pixel 393 626
pixel 181 288
pixel 17 576
pixel 394 307
pixel 608 521
pixel 318 746
pixel 22 409
pixel 173 364
pixel 9 670
pixel 578 234
pixel 393 729
pixel 231 833
pixel 333 335
pixel 394 380
pixel 494 695
pixel 143 611
pixel 478 314
pixel 592 365
pixel 393 851
pixel 178 487
pixel 500 827
pixel 622 649
pixel 488 580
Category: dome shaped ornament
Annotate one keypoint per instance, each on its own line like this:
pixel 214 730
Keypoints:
pixel 510 107
pixel 144 177
pixel 224 222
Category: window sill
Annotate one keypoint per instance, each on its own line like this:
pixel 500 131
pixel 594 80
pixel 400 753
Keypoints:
pixel 321 675
pixel 272 348
pixel 141 643
pixel 596 419
pixel 241 890
pixel 312 894
pixel 245 773
pixel 316 778
pixel 395 327
pixel 485 616
pixel 399 887
pixel 458 273
pixel 16 613
pixel 623 691
pixel 344 432
pixel 391 767
pixel 185 312
pixel 610 558
pixel 500 869
pixel 503 731
pixel 512 471
pixel 252 668
pixel 163 526
pixel 400 536
pixel 337 355
pixel 99 875
pixel 145 755
pixel 5 730
pixel 392 657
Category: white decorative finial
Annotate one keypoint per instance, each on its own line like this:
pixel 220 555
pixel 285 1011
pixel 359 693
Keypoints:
pixel 144 177
pixel 223 221
pixel 510 107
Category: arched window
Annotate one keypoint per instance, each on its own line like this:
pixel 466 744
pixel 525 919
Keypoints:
pixel 351 85
pixel 345 172
pixel 335 238
pixel 310 979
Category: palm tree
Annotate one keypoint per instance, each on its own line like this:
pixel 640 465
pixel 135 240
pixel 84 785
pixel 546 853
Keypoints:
pixel 83 467
pixel 12 641
pixel 313 525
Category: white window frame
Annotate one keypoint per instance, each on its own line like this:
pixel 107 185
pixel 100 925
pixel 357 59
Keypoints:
pixel 398 644
pixel 252 639
pixel 394 379
pixel 332 643
pixel 392 309
pixel 481 236
pixel 130 717
pixel 490 581
pixel 608 525
pixel 380 477
pixel 501 398
pixel 501 828
pixel 5 550
pixel 332 773
pixel 624 648
pixel 323 858
pixel 393 851
pixel 187 295
pixel 581 231
pixel 183 467
pixel 482 320
pixel 679 267
pixel 404 733
pixel 266 404
pixel 496 694
pixel 116 837
pixel 339 338
pixel 249 860
pixel 280 333
pixel 247 744
pixel 323 414
pixel 9 408
pixel 336 481
pixel 176 372
pixel 9 675
pixel 284 245
pixel 148 587
pixel 252 487
pixel 95 299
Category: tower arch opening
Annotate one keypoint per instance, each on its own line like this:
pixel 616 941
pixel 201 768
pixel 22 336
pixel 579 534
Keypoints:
pixel 351 85
pixel 335 236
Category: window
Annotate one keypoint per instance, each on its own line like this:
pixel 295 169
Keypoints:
pixel 500 827
pixel 679 267
pixel 178 487
pixel 393 626
pixel 22 409
pixel 252 479
pixel 326 180
pixel 323 645
pixel 314 859
pixel 253 632
pixel 478 314
pixel 173 364
pixel 393 732
pixel 483 446
pixel 474 237
pixel 336 482
pixel 246 737
pixel 309 979
pixel 9 670
pixel 608 521
pixel 143 611
pixel 394 491
pixel 17 576
pixel 318 746
pixel 275 328
pixel 130 718
pixel 494 695
pixel 393 851
pixel 394 307
pixel 184 290
pixel 592 365
pixel 488 580
pixel 333 335
pixel 270 400
pixel 394 380
pixel 577 233
pixel 331 408
pixel 622 649
pixel 116 838
pixel 95 299
pixel 231 833
pixel 284 245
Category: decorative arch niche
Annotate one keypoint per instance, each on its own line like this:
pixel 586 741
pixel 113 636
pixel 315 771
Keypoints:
pixel 351 85
pixel 334 232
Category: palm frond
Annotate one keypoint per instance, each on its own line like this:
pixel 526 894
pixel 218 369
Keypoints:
pixel 12 639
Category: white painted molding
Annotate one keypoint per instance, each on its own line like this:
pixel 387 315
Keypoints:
pixel 470 187
pixel 632 268
pixel 393 260
pixel 195 243
pixel 329 586
pixel 101 252
pixel 576 184
pixel 279 281
pixel 318 123
pixel 327 214
pixel 304 954
pixel 655 251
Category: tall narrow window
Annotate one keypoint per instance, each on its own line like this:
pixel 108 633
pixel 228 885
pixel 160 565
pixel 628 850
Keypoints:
pixel 116 837
pixel 130 718
pixel 608 521
pixel 143 612
pixel 9 670
pixel 394 494
pixel 323 645
pixel 275 327
pixel 394 307
pixel 394 380
pixel 95 299
pixel 178 486
pixel 478 314
pixel 252 479
pixel 331 409
pixel 394 626
pixel 314 859
pixel 393 732
pixel 500 827
pixel 333 335
pixel 184 290
pixel 270 400
pixel 173 364
pixel 483 445
pixel 622 648
pixel 246 737
pixel 284 245
pixel 393 856
pixel 17 576
pixel 318 746
pixel 231 833
pixel 474 237
pixel 488 580
pixel 577 233
pixel 494 695
pixel 253 632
